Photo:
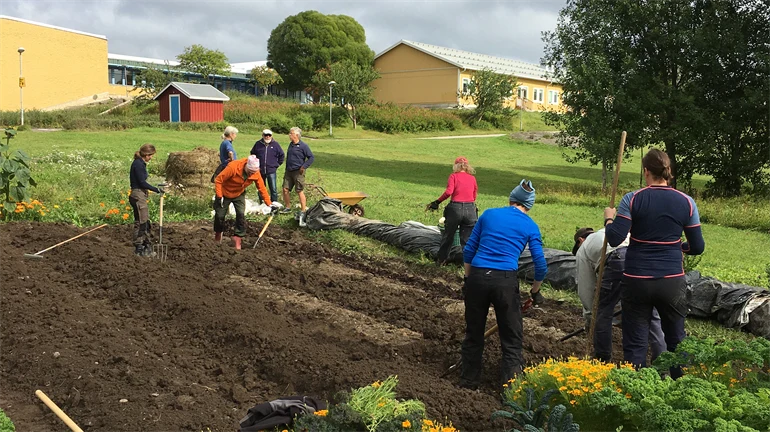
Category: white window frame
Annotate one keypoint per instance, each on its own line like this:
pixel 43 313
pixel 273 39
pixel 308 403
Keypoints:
pixel 466 83
pixel 553 97
pixel 525 90
pixel 537 95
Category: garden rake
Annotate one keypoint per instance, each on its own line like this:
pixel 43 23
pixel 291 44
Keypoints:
pixel 38 254
pixel 161 250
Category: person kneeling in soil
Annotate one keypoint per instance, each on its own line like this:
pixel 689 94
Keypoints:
pixel 491 259
pixel 138 200
pixel 588 252
pixel 230 187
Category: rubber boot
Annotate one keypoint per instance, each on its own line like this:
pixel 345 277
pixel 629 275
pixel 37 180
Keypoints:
pixel 302 222
pixel 148 252
pixel 218 237
pixel 139 250
pixel 237 241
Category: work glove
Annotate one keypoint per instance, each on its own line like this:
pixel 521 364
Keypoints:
pixel 537 298
pixel 219 202
pixel 275 206
pixel 432 206
pixel 162 188
pixel 302 170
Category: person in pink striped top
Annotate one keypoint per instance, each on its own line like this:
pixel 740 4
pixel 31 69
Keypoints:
pixel 461 212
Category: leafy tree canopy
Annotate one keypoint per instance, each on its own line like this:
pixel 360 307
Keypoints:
pixel 488 90
pixel 152 80
pixel 205 62
pixel 264 76
pixel 692 75
pixel 353 85
pixel 304 43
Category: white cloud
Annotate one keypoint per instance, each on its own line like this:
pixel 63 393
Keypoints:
pixel 240 29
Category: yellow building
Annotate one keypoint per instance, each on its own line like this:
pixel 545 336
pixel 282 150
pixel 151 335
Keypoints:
pixel 60 66
pixel 415 73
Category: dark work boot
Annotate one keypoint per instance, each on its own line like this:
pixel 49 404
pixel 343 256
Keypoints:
pixel 148 252
pixel 237 241
pixel 139 250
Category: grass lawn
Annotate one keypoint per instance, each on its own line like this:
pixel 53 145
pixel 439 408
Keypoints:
pixel 78 171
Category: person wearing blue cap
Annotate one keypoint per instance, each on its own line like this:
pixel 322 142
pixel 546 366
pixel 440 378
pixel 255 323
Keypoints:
pixel 491 259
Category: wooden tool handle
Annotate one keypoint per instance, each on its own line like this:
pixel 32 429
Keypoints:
pixel 56 410
pixel 264 228
pixel 73 238
pixel 160 217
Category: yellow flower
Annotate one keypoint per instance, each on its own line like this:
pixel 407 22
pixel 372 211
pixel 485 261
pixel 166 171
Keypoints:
pixel 427 422
pixel 381 404
pixel 69 199
pixel 19 210
pixel 321 413
pixel 573 402
pixel 406 424
pixel 562 388
pixel 42 213
pixel 128 208
pixel 376 384
pixel 56 206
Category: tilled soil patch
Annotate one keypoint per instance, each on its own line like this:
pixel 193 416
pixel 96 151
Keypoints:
pixel 193 343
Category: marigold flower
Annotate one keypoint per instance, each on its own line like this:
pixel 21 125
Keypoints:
pixel 427 422
pixel 573 402
pixel 406 424
pixel 321 413
pixel 101 204
pixel 42 213
pixel 628 396
pixel 122 201
pixel 376 384
pixel 381 404
pixel 562 388
pixel 56 206
pixel 128 207
pixel 125 216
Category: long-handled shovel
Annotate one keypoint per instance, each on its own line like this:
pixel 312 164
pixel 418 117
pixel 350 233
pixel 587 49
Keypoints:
pixel 582 329
pixel 38 254
pixel 161 250
pixel 264 228
pixel 56 410
pixel 492 330
pixel 599 276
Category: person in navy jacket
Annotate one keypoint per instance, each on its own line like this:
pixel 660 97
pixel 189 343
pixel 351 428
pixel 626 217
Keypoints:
pixel 271 156
pixel 491 259
pixel 653 277
pixel 298 159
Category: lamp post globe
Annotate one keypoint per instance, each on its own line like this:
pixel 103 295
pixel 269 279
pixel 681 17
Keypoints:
pixel 21 88
pixel 331 84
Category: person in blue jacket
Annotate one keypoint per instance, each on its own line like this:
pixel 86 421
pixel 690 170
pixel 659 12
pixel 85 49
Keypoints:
pixel 271 156
pixel 138 200
pixel 491 259
pixel 298 159
pixel 226 150
pixel 653 276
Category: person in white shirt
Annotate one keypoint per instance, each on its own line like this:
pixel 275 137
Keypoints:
pixel 587 251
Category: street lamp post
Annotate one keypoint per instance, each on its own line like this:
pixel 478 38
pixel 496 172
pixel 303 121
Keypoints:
pixel 331 84
pixel 21 86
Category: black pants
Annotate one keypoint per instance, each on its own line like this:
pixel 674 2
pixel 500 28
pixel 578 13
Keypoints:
pixel 609 297
pixel 460 216
pixel 501 289
pixel 220 213
pixel 639 297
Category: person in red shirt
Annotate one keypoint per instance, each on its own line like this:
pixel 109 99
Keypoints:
pixel 461 212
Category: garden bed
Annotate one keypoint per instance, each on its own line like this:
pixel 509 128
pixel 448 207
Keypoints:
pixel 194 343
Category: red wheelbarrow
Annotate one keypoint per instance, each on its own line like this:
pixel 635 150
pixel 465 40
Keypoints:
pixel 350 200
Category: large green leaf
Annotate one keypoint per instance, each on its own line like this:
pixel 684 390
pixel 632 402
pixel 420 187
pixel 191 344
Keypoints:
pixel 21 157
pixel 32 182
pixel 2 182
pixel 22 176
pixel 9 206
pixel 18 193
pixel 10 133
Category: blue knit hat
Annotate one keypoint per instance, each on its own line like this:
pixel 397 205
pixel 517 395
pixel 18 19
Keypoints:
pixel 523 194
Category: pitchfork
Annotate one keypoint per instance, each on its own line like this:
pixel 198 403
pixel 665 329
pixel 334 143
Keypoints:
pixel 161 250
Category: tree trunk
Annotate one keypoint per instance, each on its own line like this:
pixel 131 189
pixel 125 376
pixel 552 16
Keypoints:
pixel 671 152
pixel 604 176
pixel 352 115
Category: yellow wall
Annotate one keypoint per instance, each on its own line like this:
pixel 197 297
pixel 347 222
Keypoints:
pixel 531 85
pixel 409 76
pixel 59 66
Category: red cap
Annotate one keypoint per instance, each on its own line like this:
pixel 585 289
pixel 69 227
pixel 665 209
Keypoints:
pixel 461 159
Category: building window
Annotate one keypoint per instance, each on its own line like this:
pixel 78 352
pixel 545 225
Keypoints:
pixel 466 85
pixel 522 92
pixel 537 95
pixel 553 97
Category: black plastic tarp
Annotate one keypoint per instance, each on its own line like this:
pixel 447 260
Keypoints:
pixel 734 305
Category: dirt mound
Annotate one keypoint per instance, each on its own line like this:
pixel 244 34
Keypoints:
pixel 193 343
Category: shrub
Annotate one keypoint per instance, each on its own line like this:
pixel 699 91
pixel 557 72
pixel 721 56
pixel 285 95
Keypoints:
pixel 391 118
pixel 320 116
pixel 6 425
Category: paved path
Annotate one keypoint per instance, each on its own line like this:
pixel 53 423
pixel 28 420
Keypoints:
pixel 463 136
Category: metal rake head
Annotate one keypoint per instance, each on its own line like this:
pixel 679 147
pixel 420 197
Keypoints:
pixel 161 251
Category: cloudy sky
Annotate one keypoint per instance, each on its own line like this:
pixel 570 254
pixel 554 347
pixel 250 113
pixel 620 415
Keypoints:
pixel 162 28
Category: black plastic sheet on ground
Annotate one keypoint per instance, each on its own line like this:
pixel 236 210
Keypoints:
pixel 733 305
pixel 416 237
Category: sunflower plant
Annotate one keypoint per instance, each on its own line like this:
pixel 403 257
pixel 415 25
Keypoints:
pixel 15 176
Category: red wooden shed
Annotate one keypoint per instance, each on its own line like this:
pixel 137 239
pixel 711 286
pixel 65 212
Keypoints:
pixel 185 102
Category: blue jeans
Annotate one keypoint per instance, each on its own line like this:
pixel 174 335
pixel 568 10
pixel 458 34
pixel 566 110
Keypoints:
pixel 270 180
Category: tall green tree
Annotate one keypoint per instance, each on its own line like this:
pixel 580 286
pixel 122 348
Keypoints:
pixel 309 41
pixel 489 90
pixel 353 85
pixel 205 62
pixel 152 80
pixel 264 77
pixel 654 68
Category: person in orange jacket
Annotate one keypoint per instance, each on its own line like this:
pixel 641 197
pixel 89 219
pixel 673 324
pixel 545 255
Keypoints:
pixel 230 187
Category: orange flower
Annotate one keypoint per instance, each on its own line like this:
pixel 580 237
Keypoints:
pixel 125 216
pixel 101 204
pixel 321 413
pixel 406 424
pixel 122 201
